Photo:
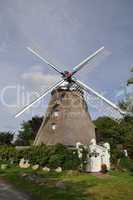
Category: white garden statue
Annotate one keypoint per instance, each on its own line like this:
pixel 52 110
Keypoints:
pixel 97 156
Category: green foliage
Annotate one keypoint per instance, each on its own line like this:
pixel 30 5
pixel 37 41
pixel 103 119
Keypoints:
pixel 7 153
pixel 25 134
pixel 117 134
pixel 56 160
pixel 128 103
pixel 51 156
pixel 126 163
pixel 130 81
pixel 123 105
pixel 116 155
pixel 6 138
pixel 109 131
pixel 28 131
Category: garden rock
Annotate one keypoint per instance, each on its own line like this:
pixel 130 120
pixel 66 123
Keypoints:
pixel 58 169
pixel 35 167
pixel 4 166
pixel 60 185
pixel 46 169
pixel 24 175
pixel 24 163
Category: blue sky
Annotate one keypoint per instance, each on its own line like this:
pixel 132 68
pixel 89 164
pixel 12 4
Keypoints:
pixel 65 31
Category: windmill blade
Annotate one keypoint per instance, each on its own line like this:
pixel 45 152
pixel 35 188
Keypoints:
pixel 39 98
pixel 84 62
pixel 88 89
pixel 98 107
pixel 55 67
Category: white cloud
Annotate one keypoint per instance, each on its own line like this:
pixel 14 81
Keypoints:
pixel 36 78
pixel 40 78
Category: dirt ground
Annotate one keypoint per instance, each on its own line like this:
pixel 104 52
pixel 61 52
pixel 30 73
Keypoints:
pixel 8 192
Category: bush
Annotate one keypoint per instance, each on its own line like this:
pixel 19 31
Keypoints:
pixel 56 160
pixel 51 156
pixel 126 163
pixel 7 153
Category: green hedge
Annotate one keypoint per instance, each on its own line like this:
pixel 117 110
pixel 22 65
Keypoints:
pixel 126 163
pixel 51 156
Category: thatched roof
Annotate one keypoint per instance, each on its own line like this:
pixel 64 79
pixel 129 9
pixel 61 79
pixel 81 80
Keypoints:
pixel 67 120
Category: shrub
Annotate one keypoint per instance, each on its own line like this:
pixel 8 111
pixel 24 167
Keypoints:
pixel 7 153
pixel 51 156
pixel 126 163
pixel 56 160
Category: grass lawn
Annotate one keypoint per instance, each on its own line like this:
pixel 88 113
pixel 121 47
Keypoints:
pixel 77 186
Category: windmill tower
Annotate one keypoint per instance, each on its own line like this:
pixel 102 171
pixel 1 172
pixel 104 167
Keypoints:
pixel 62 123
pixel 67 120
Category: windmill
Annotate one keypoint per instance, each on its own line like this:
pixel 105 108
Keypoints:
pixel 67 120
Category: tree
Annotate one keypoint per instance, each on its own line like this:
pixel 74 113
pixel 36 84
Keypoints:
pixel 130 81
pixel 28 131
pixel 117 134
pixel 35 124
pixel 109 131
pixel 128 103
pixel 127 128
pixel 6 138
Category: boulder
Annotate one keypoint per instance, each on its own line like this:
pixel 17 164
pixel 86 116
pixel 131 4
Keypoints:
pixel 35 167
pixel 23 175
pixel 46 169
pixel 60 185
pixel 24 163
pixel 58 169
pixel 4 166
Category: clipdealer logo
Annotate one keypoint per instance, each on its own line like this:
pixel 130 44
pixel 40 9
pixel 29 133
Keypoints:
pixel 22 96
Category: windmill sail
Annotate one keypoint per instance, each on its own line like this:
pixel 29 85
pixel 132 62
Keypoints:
pixel 67 120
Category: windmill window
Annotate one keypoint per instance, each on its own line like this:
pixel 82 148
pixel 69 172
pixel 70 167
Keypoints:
pixel 62 96
pixel 56 113
pixel 53 126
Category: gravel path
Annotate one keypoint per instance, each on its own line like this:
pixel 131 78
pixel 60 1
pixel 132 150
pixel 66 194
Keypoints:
pixel 7 192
